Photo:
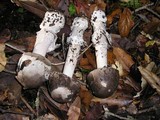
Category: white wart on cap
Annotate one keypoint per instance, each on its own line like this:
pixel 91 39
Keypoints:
pixel 53 21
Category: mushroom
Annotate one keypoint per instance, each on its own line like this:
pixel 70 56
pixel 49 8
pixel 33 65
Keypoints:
pixel 33 68
pixel 63 87
pixel 102 81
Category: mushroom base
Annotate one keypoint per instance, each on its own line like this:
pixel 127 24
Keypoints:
pixel 62 88
pixel 103 82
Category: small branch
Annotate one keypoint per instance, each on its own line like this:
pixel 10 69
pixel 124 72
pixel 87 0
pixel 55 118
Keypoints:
pixel 107 113
pixel 153 12
pixel 28 106
pixel 85 50
pixel 8 71
pixel 18 113
pixel 143 7
pixel 8 45
pixel 64 53
pixel 56 64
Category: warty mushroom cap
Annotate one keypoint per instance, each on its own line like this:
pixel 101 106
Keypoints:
pixel 98 16
pixel 79 25
pixel 53 21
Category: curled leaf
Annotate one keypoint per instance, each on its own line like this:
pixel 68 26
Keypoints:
pixel 124 59
pixel 74 110
pixel 125 22
pixel 3 59
pixel 151 78
pixel 112 15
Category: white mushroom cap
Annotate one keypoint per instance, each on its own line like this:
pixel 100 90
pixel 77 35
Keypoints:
pixel 98 15
pixel 53 21
pixel 98 19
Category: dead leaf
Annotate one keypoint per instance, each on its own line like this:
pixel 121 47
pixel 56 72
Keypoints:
pixel 85 96
pixel 3 59
pixel 5 35
pixel 74 110
pixel 125 22
pixel 124 59
pixel 151 78
pixel 112 15
pixel 113 101
pixel 110 57
pixel 84 61
pixel 95 112
pixel 91 58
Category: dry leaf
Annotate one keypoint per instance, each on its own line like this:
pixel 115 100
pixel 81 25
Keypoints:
pixel 110 57
pixel 151 78
pixel 74 110
pixel 125 22
pixel 112 15
pixel 124 59
pixel 84 61
pixel 113 101
pixel 85 96
pixel 91 58
pixel 3 59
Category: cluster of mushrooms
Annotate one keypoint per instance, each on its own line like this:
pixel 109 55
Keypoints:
pixel 34 68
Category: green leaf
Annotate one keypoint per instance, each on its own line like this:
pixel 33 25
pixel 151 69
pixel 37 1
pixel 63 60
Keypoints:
pixel 150 43
pixel 72 9
pixel 20 10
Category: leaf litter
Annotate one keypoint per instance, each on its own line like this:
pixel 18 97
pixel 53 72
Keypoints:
pixel 133 37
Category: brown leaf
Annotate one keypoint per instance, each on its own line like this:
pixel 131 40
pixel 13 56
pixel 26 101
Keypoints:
pixel 112 15
pixel 85 96
pixel 3 59
pixel 84 61
pixel 124 58
pixel 125 22
pixel 74 110
pixel 91 58
pixel 151 78
pixel 110 57
pixel 33 7
pixel 30 41
pixel 5 35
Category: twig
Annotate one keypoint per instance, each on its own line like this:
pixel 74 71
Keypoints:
pixel 119 117
pixel 64 54
pixel 19 113
pixel 8 45
pixel 142 8
pixel 37 103
pixel 56 64
pixel 145 7
pixel 108 113
pixel 85 50
pixel 29 107
pixel 151 109
pixel 154 13
pixel 8 71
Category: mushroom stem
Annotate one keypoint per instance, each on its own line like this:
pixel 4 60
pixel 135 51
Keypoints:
pixel 71 60
pixel 75 42
pixel 100 38
pixel 46 37
pixel 45 42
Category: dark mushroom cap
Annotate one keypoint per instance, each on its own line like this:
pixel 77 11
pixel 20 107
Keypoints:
pixel 103 82
pixel 62 88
